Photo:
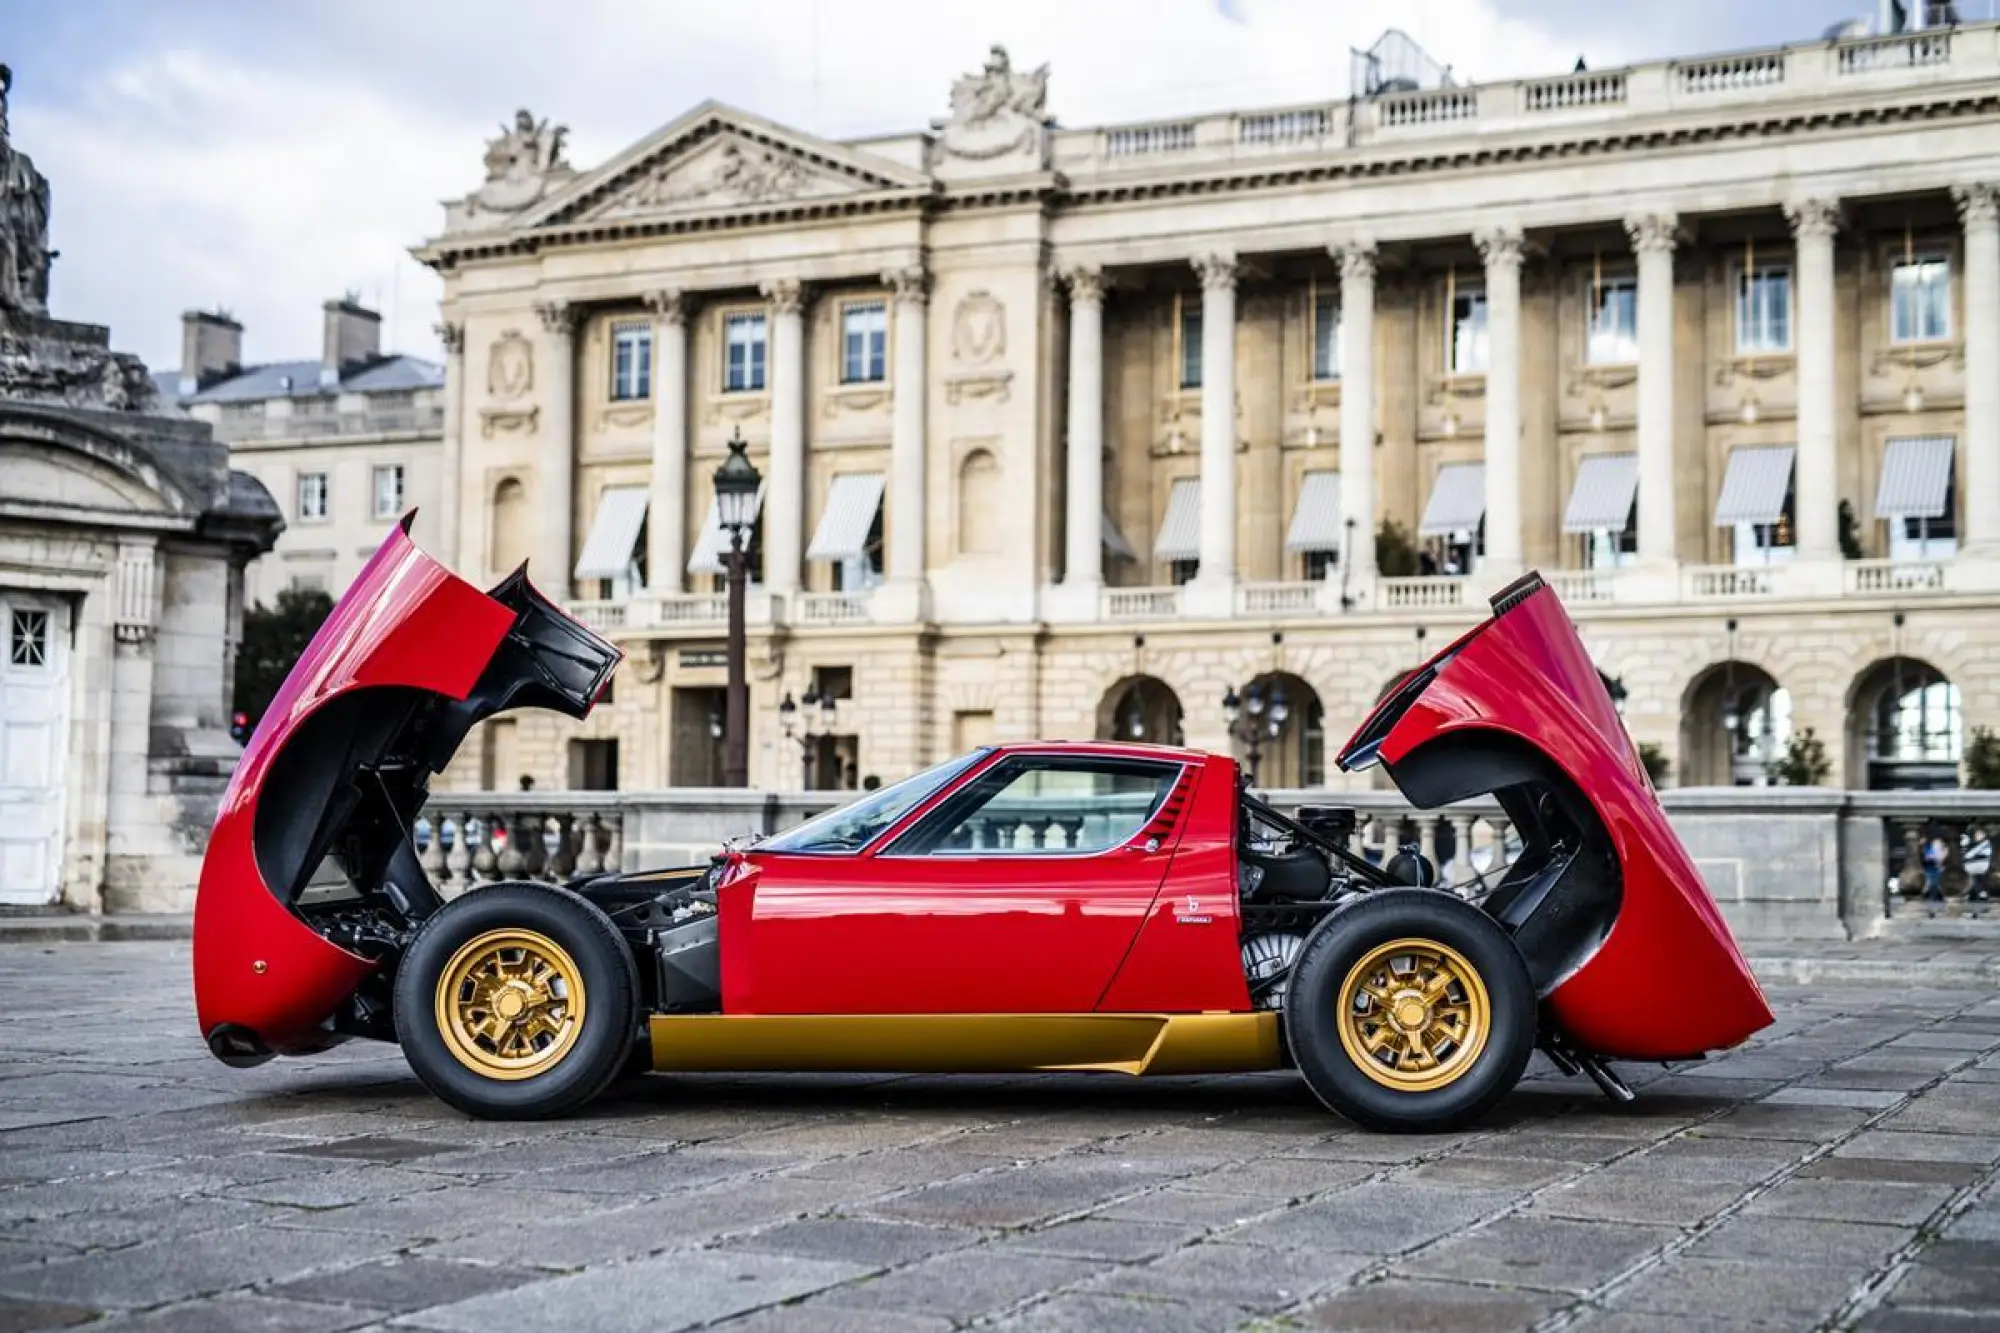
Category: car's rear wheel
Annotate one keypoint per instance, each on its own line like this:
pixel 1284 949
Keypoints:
pixel 517 1002
pixel 1410 1011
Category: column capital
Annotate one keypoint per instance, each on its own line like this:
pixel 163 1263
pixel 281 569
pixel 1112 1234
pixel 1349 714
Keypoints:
pixel 1218 272
pixel 1500 246
pixel 1813 219
pixel 1654 232
pixel 559 317
pixel 910 285
pixel 1978 204
pixel 452 333
pixel 669 305
pixel 1086 284
pixel 786 295
pixel 1357 260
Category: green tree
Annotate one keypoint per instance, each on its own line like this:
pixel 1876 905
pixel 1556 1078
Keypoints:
pixel 273 638
pixel 1654 758
pixel 1395 550
pixel 1982 760
pixel 1804 763
pixel 1850 533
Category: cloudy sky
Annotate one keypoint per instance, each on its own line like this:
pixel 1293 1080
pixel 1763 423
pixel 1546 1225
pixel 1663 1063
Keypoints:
pixel 263 158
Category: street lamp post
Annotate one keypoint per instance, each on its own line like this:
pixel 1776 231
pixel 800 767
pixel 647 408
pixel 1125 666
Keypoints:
pixel 736 484
pixel 825 706
pixel 1256 716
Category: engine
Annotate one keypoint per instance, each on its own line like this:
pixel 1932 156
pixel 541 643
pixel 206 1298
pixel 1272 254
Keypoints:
pixel 674 924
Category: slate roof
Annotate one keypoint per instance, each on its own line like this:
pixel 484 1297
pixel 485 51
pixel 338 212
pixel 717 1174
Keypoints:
pixel 300 379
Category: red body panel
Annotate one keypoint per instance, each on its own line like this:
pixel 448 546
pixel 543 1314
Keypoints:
pixel 1668 981
pixel 406 621
pixel 873 933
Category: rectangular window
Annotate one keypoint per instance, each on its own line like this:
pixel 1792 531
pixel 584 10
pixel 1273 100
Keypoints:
pixel 1467 349
pixel 28 639
pixel 312 497
pixel 1614 323
pixel 1320 564
pixel 1764 309
pixel 864 343
pixel 1326 337
pixel 743 353
pixel 389 491
pixel 1605 549
pixel 1191 344
pixel 631 360
pixel 1183 571
pixel 1920 299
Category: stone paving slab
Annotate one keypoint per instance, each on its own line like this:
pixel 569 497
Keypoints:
pixel 1837 1172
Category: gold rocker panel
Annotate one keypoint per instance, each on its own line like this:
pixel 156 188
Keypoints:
pixel 967 1043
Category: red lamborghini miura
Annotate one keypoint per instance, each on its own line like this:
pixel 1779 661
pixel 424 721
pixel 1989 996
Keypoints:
pixel 1049 906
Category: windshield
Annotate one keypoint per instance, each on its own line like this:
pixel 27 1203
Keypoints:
pixel 855 825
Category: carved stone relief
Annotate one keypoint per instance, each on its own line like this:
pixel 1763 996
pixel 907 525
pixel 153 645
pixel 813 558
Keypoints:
pixel 732 172
pixel 997 113
pixel 510 367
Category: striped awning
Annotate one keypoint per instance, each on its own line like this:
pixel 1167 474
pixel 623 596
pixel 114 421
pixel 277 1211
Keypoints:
pixel 1316 515
pixel 1755 485
pixel 614 533
pixel 706 558
pixel 1916 477
pixel 1458 500
pixel 1115 543
pixel 1180 530
pixel 851 505
pixel 1601 500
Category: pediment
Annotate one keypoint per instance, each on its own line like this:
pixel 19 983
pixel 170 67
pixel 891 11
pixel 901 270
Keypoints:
pixel 38 476
pixel 717 159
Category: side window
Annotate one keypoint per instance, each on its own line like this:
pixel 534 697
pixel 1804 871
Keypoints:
pixel 1036 805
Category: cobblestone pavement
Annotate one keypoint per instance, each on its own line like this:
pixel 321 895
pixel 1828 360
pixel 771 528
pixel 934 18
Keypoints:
pixel 1835 1173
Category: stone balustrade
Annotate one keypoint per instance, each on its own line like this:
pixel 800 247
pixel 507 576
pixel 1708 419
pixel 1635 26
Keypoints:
pixel 1781 862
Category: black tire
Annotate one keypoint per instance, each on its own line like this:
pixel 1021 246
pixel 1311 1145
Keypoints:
pixel 463 1067
pixel 1456 1081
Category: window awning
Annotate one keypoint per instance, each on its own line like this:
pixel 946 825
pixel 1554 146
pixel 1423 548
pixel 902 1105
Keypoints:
pixel 706 558
pixel 1316 515
pixel 1115 543
pixel 614 533
pixel 1458 500
pixel 1601 500
pixel 1180 530
pixel 1916 477
pixel 1755 485
pixel 852 502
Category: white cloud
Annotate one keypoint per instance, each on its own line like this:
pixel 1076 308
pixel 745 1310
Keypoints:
pixel 268 182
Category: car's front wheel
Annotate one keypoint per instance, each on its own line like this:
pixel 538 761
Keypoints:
pixel 1410 1011
pixel 517 1002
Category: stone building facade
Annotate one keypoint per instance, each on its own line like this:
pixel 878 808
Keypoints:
pixel 123 539
pixel 346 442
pixel 1076 431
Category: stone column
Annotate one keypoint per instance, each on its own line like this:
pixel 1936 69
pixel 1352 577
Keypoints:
pixel 1654 237
pixel 1979 209
pixel 1083 525
pixel 1218 420
pixel 451 455
pixel 1357 407
pixel 907 494
pixel 555 462
pixel 666 507
pixel 1500 247
pixel 784 516
pixel 1815 475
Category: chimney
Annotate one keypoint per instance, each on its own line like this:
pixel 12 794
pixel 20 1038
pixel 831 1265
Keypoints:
pixel 353 335
pixel 211 349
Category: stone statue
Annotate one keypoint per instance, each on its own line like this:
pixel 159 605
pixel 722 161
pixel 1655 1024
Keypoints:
pixel 998 111
pixel 521 163
pixel 25 256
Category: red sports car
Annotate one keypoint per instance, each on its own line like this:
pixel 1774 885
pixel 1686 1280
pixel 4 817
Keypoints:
pixel 1050 906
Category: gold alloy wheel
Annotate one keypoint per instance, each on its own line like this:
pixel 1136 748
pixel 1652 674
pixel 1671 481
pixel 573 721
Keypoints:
pixel 1414 1015
pixel 510 1004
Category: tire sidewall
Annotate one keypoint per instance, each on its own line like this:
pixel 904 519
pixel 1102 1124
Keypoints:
pixel 1312 1016
pixel 610 982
